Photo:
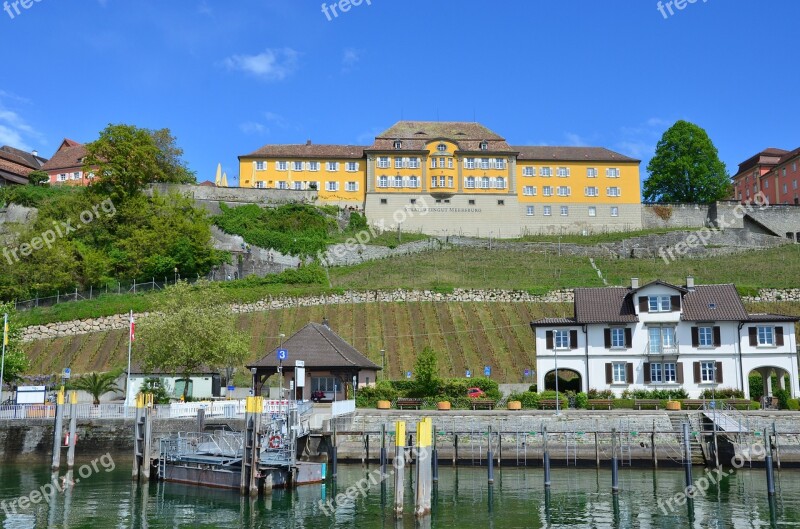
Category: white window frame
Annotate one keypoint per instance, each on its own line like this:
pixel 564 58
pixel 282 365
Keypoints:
pixel 383 181
pixel 413 181
pixel 398 163
pixel 708 370
pixel 705 336
pixel 500 183
pixel 313 166
pixel 562 172
pixel 618 337
pixel 383 162
pixel 529 191
pixel 351 167
pixel 413 163
pixel 331 186
pixel 612 172
pixel 619 373
pixel 592 191
pixel 282 165
pixel 613 191
pixel 565 211
pixel 332 167
pixel 656 373
pixel 485 163
pixel 547 191
pixel 546 172
pixel 449 163
pixel 297 166
pixel 563 191
pixel 561 339
pixel 470 183
pixel 62 177
pixel 592 211
pixel 591 172
pixel 614 211
pixel 485 182
pixel 261 166
pixel 530 211
pixel 397 181
pixel 548 211
pixel 659 303
pixel 528 171
pixel 351 186
pixel 670 373
pixel 766 336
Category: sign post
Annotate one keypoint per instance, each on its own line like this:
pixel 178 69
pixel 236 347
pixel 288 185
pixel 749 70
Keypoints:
pixel 283 354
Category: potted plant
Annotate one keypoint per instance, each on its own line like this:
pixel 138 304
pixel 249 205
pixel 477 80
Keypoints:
pixel 443 405
pixel 384 404
pixel 514 405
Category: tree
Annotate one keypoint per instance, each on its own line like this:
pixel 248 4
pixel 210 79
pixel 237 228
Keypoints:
pixel 158 388
pixel 192 329
pixel 426 373
pixel 97 385
pixel 39 178
pixel 686 168
pixel 125 158
pixel 16 362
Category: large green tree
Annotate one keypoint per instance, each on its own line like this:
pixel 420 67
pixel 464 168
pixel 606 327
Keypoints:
pixel 16 362
pixel 686 168
pixel 192 328
pixel 125 158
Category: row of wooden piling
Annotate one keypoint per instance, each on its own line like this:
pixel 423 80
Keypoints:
pixel 71 438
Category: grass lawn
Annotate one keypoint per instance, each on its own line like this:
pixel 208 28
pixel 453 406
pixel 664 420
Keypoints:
pixel 596 237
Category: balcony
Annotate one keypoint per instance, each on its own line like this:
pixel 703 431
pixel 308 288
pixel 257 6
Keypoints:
pixel 660 349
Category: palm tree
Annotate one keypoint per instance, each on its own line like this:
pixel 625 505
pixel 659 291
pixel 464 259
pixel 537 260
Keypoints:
pixel 97 384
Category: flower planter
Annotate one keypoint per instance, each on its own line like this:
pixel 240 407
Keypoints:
pixel 384 405
pixel 673 405
pixel 514 405
pixel 443 406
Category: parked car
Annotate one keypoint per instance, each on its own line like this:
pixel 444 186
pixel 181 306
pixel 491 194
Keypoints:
pixel 475 393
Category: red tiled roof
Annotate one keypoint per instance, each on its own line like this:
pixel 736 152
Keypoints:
pixel 604 305
pixel 308 151
pixel 68 156
pixel 769 318
pixel 713 303
pixel 431 130
pixel 788 156
pixel 769 156
pixel 571 154
pixel 553 322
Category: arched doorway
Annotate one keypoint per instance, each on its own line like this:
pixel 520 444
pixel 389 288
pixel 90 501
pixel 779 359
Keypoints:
pixel 568 380
pixel 763 382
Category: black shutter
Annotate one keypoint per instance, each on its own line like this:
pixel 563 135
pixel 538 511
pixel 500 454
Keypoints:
pixel 607 337
pixel 573 339
pixel 696 372
pixel 779 336
pixel 675 302
pixel 752 332
pixel 679 368
pixel 717 336
pixel 647 372
pixel 549 340
pixel 629 373
pixel 695 337
pixel 609 374
pixel 719 372
pixel 628 338
pixel 644 304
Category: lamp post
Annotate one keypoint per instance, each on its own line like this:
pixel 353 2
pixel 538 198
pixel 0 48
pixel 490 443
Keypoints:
pixel 176 274
pixel 555 359
pixel 383 363
pixel 355 384
pixel 253 372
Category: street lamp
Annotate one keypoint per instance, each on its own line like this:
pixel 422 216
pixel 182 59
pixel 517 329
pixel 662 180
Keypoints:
pixel 383 363
pixel 253 372
pixel 176 274
pixel 355 383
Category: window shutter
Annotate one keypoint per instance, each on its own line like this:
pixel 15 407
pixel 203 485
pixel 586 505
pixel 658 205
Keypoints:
pixel 717 336
pixel 695 337
pixel 568 171
pixel 753 334
pixel 629 373
pixel 644 304
pixel 679 369
pixel 628 338
pixel 779 336
pixel 549 339
pixel 607 337
pixel 696 366
pixel 609 374
pixel 675 301
pixel 719 372
pixel 573 339
pixel 646 372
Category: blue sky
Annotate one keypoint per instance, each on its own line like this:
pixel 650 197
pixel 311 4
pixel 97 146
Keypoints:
pixel 228 77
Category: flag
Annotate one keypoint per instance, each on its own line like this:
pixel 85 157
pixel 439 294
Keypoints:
pixel 133 327
pixel 5 332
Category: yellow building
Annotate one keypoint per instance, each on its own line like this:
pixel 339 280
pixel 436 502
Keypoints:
pixel 449 178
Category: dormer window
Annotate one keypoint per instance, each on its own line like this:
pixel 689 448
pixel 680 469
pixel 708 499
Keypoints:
pixel 398 144
pixel 484 146
pixel 441 147
pixel 659 304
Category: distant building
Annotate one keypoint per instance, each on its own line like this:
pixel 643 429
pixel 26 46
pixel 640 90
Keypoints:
pixel 16 165
pixel 663 336
pixel 203 383
pixel 783 179
pixel 66 165
pixel 459 178
pixel 750 180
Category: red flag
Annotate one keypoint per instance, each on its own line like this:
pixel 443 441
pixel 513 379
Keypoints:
pixel 133 328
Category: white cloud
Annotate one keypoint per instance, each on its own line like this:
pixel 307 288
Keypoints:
pixel 14 130
pixel 271 65
pixel 251 127
pixel 574 140
pixel 350 59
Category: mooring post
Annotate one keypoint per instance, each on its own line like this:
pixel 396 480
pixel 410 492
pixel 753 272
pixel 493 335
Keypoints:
pixel 148 436
pixel 614 463
pixel 57 428
pixel 73 426
pixel 399 465
pixel 435 459
pixel 138 437
pixel 768 464
pixel 383 449
pixel 201 420
pixel 366 448
pixel 334 454
pixel 455 448
pixel 653 445
pixel 489 460
pixel 546 457
pixel 257 408
pixel 247 453
pixel 776 445
pixel 687 450
pixel 596 449
pixel 424 484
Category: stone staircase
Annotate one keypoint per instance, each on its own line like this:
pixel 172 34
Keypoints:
pixel 699 457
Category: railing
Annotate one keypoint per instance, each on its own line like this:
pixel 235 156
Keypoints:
pixel 662 350
pixel 342 407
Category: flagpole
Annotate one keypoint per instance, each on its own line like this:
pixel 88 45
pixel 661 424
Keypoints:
pixel 130 344
pixel 3 361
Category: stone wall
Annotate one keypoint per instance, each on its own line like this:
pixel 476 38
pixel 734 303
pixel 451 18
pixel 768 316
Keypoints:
pixel 210 197
pixel 14 214
pixel 353 253
pixel 679 216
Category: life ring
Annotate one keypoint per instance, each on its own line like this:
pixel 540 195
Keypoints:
pixel 275 441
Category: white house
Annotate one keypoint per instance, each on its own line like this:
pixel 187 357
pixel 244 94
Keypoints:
pixel 662 336
pixel 203 384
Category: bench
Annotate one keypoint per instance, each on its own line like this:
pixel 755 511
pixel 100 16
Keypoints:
pixel 406 403
pixel 739 402
pixel 646 402
pixel 593 403
pixel 482 404
pixel 550 403
pixel 694 403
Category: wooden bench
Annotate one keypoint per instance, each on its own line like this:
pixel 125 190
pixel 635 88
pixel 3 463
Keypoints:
pixel 694 403
pixel 408 404
pixel 600 403
pixel 549 403
pixel 646 402
pixel 482 404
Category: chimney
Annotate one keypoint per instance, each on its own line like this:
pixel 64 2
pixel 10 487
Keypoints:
pixel 634 283
pixel 35 153
pixel 325 322
pixel 308 142
pixel 690 283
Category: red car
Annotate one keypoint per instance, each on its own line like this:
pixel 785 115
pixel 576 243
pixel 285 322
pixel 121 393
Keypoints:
pixel 475 393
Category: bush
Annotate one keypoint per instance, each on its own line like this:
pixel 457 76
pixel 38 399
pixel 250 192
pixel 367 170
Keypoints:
pixel 783 396
pixel 604 394
pixel 532 388
pixel 529 399
pixel 581 400
pixel 794 405
pixel 368 397
pixel 660 394
pixel 489 386
pixel 722 393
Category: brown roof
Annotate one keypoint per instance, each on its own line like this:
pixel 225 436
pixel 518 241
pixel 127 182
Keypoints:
pixel 769 156
pixel 21 157
pixel 431 130
pixel 553 322
pixel 320 348
pixel 604 305
pixel 68 156
pixel 571 154
pixel 772 318
pixel 14 172
pixel 307 150
pixel 788 156
pixel 713 303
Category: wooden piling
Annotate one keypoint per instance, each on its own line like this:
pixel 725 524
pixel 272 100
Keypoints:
pixel 73 427
pixel 144 471
pixel 768 465
pixel 399 466
pixel 57 429
pixel 489 459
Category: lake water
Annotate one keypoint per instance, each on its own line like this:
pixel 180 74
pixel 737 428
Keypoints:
pixel 462 499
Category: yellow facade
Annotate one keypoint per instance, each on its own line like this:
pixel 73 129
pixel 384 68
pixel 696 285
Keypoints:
pixel 585 182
